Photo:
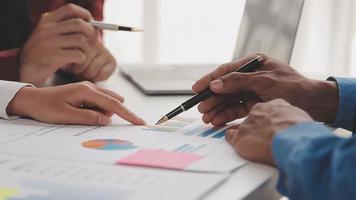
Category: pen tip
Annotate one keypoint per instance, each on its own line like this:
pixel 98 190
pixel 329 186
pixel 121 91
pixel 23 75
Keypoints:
pixel 163 119
pixel 137 30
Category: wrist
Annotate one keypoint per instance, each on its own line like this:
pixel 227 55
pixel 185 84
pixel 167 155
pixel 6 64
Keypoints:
pixel 20 104
pixel 323 100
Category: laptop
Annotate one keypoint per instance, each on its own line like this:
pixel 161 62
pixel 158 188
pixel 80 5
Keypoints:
pixel 267 26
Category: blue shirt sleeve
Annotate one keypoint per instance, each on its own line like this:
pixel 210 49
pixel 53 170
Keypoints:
pixel 314 163
pixel 345 117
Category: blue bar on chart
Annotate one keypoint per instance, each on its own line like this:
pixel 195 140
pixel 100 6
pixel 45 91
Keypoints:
pixel 187 148
pixel 208 132
pixel 196 131
pixel 182 148
pixel 220 134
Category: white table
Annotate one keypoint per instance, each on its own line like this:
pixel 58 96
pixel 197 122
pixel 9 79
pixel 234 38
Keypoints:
pixel 253 181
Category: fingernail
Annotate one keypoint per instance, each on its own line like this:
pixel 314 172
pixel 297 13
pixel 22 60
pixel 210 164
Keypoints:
pixel 217 84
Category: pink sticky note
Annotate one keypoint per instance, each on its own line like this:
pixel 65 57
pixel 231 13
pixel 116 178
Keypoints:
pixel 160 159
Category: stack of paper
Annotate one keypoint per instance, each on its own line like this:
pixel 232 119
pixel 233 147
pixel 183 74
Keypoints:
pixel 115 162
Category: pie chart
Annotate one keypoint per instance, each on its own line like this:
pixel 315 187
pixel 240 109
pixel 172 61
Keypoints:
pixel 109 144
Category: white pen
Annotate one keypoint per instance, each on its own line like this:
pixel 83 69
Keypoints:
pixel 113 27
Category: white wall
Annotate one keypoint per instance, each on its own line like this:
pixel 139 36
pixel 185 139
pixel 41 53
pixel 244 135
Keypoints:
pixel 176 31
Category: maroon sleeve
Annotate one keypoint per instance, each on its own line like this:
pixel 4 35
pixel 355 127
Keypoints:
pixel 96 8
pixel 9 66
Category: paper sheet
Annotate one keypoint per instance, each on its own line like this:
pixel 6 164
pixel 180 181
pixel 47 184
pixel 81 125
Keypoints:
pixel 111 144
pixel 42 179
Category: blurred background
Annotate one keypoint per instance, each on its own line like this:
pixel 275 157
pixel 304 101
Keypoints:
pixel 205 31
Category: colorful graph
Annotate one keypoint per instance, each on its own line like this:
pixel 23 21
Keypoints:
pixel 206 131
pixel 108 144
pixel 172 125
pixel 189 126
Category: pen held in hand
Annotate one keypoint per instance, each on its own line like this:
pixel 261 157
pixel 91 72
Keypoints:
pixel 113 27
pixel 251 66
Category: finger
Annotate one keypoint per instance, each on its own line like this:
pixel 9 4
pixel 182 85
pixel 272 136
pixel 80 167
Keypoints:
pixel 86 117
pixel 96 65
pixel 70 56
pixel 92 71
pixel 94 108
pixel 224 69
pixel 79 69
pixel 239 134
pixel 235 81
pixel 105 91
pixel 112 94
pixel 68 11
pixel 76 25
pixel 76 41
pixel 234 136
pixel 209 116
pixel 109 114
pixel 229 135
pixel 210 103
pixel 229 115
pixel 108 103
pixel 105 72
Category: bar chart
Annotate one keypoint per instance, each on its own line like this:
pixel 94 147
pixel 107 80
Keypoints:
pixel 190 127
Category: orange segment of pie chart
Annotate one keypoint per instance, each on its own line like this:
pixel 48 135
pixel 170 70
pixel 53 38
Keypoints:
pixel 94 144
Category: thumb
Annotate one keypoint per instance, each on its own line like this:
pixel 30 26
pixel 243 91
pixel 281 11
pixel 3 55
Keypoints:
pixel 234 82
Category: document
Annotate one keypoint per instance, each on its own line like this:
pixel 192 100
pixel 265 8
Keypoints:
pixel 41 179
pixel 182 144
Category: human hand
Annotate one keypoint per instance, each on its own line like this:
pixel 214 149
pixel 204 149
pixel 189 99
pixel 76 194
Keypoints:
pixel 253 138
pixel 79 103
pixel 236 93
pixel 99 65
pixel 61 38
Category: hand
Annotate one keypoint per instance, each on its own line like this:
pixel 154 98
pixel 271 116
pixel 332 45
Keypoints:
pixel 236 93
pixel 79 103
pixel 99 65
pixel 61 38
pixel 253 138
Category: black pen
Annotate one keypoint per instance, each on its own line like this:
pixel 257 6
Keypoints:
pixel 251 66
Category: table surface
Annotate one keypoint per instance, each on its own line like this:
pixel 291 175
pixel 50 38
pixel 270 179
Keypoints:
pixel 250 180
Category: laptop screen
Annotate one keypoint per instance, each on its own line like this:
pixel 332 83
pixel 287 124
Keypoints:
pixel 270 27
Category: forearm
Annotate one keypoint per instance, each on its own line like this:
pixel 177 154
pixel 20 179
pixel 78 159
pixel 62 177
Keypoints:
pixel 314 163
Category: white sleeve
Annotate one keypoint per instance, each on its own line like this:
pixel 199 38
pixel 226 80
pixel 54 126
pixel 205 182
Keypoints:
pixel 8 90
